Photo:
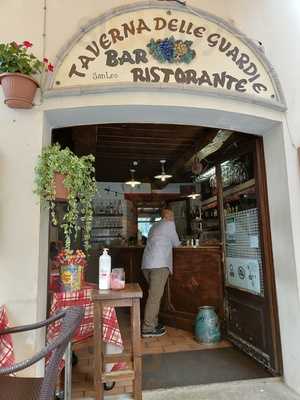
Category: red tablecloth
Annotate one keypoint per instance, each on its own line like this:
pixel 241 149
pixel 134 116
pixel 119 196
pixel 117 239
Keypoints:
pixel 83 298
pixel 7 357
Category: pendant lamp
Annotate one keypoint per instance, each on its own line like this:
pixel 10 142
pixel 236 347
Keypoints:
pixel 196 192
pixel 133 182
pixel 194 196
pixel 163 176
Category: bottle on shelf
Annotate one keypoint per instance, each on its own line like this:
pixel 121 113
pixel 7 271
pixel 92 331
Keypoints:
pixel 111 208
pixel 192 215
pixel 119 210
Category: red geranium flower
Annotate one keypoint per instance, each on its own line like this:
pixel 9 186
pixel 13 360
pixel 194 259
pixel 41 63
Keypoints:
pixel 50 67
pixel 45 60
pixel 27 44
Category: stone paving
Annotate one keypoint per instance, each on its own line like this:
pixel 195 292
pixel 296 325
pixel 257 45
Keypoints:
pixel 256 389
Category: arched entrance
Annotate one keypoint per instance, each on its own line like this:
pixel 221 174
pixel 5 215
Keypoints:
pixel 145 103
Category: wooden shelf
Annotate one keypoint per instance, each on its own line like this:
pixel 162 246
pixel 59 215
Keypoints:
pixel 209 202
pixel 107 215
pixel 212 201
pixel 239 188
pixel 107 227
pixel 93 239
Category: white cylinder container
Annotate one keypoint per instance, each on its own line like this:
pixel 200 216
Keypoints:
pixel 104 270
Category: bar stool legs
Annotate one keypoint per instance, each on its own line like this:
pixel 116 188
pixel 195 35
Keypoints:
pixel 136 349
pixel 128 297
pixel 98 344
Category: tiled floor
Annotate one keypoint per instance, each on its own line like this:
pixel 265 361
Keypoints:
pixel 176 340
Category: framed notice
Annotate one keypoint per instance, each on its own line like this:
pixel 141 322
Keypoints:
pixel 243 273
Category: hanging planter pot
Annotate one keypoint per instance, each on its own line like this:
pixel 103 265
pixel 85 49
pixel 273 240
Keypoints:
pixel 61 192
pixel 54 167
pixel 19 89
pixel 17 66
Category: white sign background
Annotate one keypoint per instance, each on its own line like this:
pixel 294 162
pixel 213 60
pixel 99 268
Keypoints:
pixel 243 273
pixel 209 59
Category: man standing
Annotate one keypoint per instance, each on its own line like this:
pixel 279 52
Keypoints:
pixel 157 264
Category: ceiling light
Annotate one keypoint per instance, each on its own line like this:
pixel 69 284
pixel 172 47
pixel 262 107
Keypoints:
pixel 163 176
pixel 194 196
pixel 133 183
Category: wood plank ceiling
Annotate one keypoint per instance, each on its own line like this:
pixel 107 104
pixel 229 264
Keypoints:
pixel 116 146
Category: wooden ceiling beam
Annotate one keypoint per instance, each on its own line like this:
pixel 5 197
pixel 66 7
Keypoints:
pixel 172 150
pixel 144 140
pixel 132 157
pixel 201 141
pixel 136 152
pixel 156 137
pixel 84 139
pixel 234 146
pixel 152 128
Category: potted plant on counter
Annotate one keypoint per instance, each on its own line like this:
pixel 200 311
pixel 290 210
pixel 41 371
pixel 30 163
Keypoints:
pixel 17 68
pixel 72 264
pixel 77 176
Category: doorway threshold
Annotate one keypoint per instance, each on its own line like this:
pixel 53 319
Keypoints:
pixel 254 389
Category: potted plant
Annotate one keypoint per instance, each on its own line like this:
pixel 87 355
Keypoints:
pixel 78 177
pixel 17 66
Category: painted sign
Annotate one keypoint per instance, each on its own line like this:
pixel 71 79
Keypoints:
pixel 243 273
pixel 163 47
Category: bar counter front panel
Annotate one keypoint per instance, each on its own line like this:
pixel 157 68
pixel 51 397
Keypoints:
pixel 197 280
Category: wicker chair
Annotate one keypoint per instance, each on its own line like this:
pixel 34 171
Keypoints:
pixel 15 388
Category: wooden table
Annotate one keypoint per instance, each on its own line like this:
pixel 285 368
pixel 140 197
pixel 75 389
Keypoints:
pixel 82 298
pixel 128 297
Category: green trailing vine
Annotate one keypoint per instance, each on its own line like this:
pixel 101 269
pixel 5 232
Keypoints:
pixel 80 182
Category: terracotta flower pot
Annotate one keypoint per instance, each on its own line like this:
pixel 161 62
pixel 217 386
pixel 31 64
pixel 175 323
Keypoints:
pixel 61 191
pixel 19 89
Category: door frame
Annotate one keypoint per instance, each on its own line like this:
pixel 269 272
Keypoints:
pixel 223 114
pixel 270 295
pixel 267 253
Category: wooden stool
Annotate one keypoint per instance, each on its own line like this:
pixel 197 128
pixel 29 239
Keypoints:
pixel 128 297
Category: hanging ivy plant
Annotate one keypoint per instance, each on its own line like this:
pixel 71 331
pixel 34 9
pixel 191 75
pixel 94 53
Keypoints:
pixel 81 185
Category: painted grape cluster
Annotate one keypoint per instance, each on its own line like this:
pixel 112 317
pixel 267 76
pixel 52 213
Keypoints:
pixel 171 50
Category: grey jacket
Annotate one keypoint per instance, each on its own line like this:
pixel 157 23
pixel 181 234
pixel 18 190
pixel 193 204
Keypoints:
pixel 158 252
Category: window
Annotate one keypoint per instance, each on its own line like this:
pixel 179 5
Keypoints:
pixel 145 223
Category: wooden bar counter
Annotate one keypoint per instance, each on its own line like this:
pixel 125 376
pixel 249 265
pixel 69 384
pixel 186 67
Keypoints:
pixel 197 280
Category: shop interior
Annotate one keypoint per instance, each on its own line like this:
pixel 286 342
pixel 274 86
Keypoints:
pixel 209 178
